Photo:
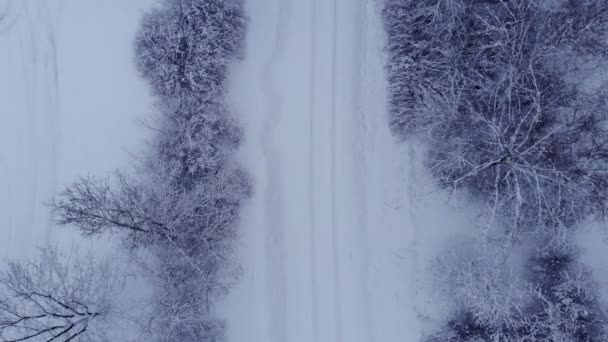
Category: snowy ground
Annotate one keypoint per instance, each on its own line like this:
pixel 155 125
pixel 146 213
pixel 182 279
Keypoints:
pixel 339 228
pixel 70 99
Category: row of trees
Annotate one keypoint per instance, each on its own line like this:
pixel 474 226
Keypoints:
pixel 176 216
pixel 494 90
pixel 191 186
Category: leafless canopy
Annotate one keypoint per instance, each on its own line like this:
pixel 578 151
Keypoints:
pixel 489 85
pixel 57 297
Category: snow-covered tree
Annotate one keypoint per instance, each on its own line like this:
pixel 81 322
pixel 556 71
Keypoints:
pixel 184 47
pixel 183 50
pixel 488 296
pixel 196 141
pixel 436 47
pixel 183 300
pixel 490 87
pixel 556 300
pixel 493 88
pixel 57 297
pixel 421 53
pixel 565 304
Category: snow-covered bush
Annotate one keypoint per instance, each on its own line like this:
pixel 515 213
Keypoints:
pixel 488 296
pixel 183 300
pixel 197 140
pixel 565 304
pixel 184 47
pixel 555 300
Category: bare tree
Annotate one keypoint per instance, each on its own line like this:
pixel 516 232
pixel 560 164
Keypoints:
pixel 57 297
pixel 156 209
pixel 187 233
pixel 95 207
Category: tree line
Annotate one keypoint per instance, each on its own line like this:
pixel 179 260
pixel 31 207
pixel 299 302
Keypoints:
pixel 494 89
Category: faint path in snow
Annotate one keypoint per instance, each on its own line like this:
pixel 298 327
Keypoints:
pixel 43 86
pixel 32 127
pixel 314 277
pixel 336 247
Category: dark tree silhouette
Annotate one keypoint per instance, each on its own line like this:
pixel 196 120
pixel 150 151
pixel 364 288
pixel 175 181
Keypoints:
pixel 57 297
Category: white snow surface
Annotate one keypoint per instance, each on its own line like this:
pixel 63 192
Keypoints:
pixel 342 224
pixel 70 97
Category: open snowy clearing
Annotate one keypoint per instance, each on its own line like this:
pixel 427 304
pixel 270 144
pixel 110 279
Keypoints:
pixel 333 239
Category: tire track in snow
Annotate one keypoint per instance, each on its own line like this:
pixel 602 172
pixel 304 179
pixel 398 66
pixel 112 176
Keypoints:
pixel 334 224
pixel 311 175
pixel 39 63
pixel 29 66
pixel 324 247
pixel 411 204
pixel 275 239
pixel 360 139
pixel 52 101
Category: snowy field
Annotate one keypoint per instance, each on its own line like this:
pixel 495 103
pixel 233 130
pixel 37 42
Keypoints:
pixel 71 99
pixel 341 224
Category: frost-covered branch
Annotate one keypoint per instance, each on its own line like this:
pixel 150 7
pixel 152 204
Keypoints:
pixel 58 297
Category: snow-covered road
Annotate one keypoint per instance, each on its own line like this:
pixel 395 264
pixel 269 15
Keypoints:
pixel 329 245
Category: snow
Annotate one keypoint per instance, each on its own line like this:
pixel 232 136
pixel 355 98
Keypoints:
pixel 342 223
pixel 70 100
